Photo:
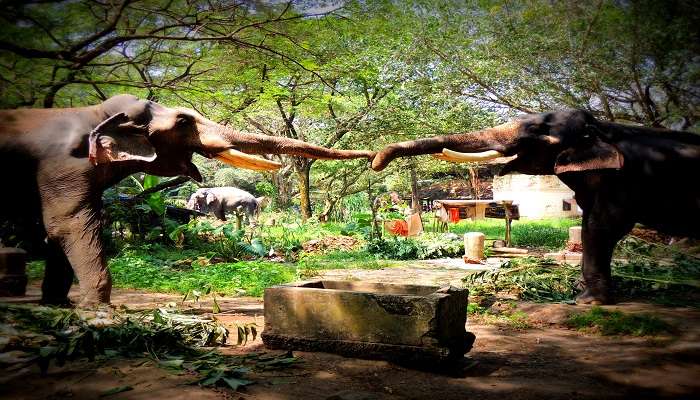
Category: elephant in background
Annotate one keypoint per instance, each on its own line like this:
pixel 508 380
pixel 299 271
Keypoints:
pixel 621 175
pixel 227 199
pixel 61 160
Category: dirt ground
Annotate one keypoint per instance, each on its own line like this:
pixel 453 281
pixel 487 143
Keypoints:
pixel 543 362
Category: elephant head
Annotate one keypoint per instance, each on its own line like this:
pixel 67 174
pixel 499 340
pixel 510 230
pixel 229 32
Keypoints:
pixel 198 201
pixel 547 143
pixel 161 140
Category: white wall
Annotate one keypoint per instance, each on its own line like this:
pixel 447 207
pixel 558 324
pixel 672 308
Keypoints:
pixel 538 196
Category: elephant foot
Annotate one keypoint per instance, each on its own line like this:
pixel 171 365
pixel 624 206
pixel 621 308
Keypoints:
pixel 595 297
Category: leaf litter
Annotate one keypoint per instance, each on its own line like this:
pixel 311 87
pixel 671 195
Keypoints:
pixel 40 335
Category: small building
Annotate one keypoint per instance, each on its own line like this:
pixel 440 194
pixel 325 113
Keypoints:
pixel 538 196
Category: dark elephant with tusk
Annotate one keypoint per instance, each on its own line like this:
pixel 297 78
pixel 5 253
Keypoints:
pixel 226 199
pixel 621 174
pixel 63 159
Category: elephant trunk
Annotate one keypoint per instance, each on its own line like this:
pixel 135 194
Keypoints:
pixel 498 138
pixel 265 144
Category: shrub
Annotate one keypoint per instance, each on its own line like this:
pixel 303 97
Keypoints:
pixel 426 246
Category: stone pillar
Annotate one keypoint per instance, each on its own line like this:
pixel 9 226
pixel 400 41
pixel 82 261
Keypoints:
pixel 13 277
pixel 474 245
pixel 575 235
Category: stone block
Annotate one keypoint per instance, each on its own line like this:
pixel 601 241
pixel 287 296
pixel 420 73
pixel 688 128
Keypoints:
pixel 408 324
pixel 13 276
pixel 575 235
pixel 474 245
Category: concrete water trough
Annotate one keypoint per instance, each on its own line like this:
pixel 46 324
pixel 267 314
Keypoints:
pixel 407 324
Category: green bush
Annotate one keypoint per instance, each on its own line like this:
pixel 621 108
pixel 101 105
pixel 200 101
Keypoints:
pixel 425 246
pixel 548 233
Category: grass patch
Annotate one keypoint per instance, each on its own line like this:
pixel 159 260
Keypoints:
pixel 35 270
pixel 167 270
pixel 614 322
pixel 341 259
pixel 508 317
pixel 548 233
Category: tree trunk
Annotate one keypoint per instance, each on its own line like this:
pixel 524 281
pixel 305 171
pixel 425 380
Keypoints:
pixel 474 181
pixel 304 181
pixel 328 208
pixel 376 232
pixel 415 201
pixel 284 193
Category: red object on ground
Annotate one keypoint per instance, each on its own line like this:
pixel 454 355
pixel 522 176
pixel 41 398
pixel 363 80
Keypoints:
pixel 397 227
pixel 454 215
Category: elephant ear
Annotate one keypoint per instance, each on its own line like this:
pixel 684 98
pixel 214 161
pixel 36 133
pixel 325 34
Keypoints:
pixel 595 154
pixel 210 199
pixel 118 139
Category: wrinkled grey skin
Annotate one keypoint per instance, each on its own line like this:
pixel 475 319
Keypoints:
pixel 621 174
pixel 222 200
pixel 62 159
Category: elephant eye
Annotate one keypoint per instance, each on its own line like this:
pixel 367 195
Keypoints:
pixel 183 120
pixel 535 129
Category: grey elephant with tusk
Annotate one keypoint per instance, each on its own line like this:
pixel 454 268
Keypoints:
pixel 222 200
pixel 63 159
pixel 621 175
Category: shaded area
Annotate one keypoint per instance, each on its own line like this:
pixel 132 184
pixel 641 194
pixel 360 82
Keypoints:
pixel 545 361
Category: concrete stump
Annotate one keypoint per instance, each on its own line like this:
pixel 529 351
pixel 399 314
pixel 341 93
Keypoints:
pixel 407 324
pixel 575 235
pixel 13 276
pixel 474 245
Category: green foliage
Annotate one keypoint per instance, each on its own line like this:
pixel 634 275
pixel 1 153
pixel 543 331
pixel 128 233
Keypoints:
pixel 172 340
pixel 529 278
pixel 223 240
pixel 615 322
pixel 671 282
pixel 309 264
pixel 35 270
pixel 265 188
pixel 159 268
pixel 70 334
pixel 425 246
pixel 549 234
pixel 508 317
pixel 240 178
pixel 663 273
pixel 136 218
pixel 393 248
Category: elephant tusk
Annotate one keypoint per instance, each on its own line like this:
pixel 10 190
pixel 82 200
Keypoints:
pixel 455 156
pixel 242 160
pixel 553 140
pixel 440 156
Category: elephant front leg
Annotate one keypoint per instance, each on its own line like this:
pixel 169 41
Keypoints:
pixel 600 235
pixel 70 210
pixel 79 235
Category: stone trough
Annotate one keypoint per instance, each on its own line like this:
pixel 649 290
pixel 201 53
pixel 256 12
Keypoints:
pixel 407 324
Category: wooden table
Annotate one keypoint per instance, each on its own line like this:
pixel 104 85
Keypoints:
pixel 480 209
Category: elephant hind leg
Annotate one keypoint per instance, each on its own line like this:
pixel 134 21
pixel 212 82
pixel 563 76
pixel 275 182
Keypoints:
pixel 58 277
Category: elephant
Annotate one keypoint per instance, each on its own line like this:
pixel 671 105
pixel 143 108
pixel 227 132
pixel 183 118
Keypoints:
pixel 220 200
pixel 621 175
pixel 62 160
